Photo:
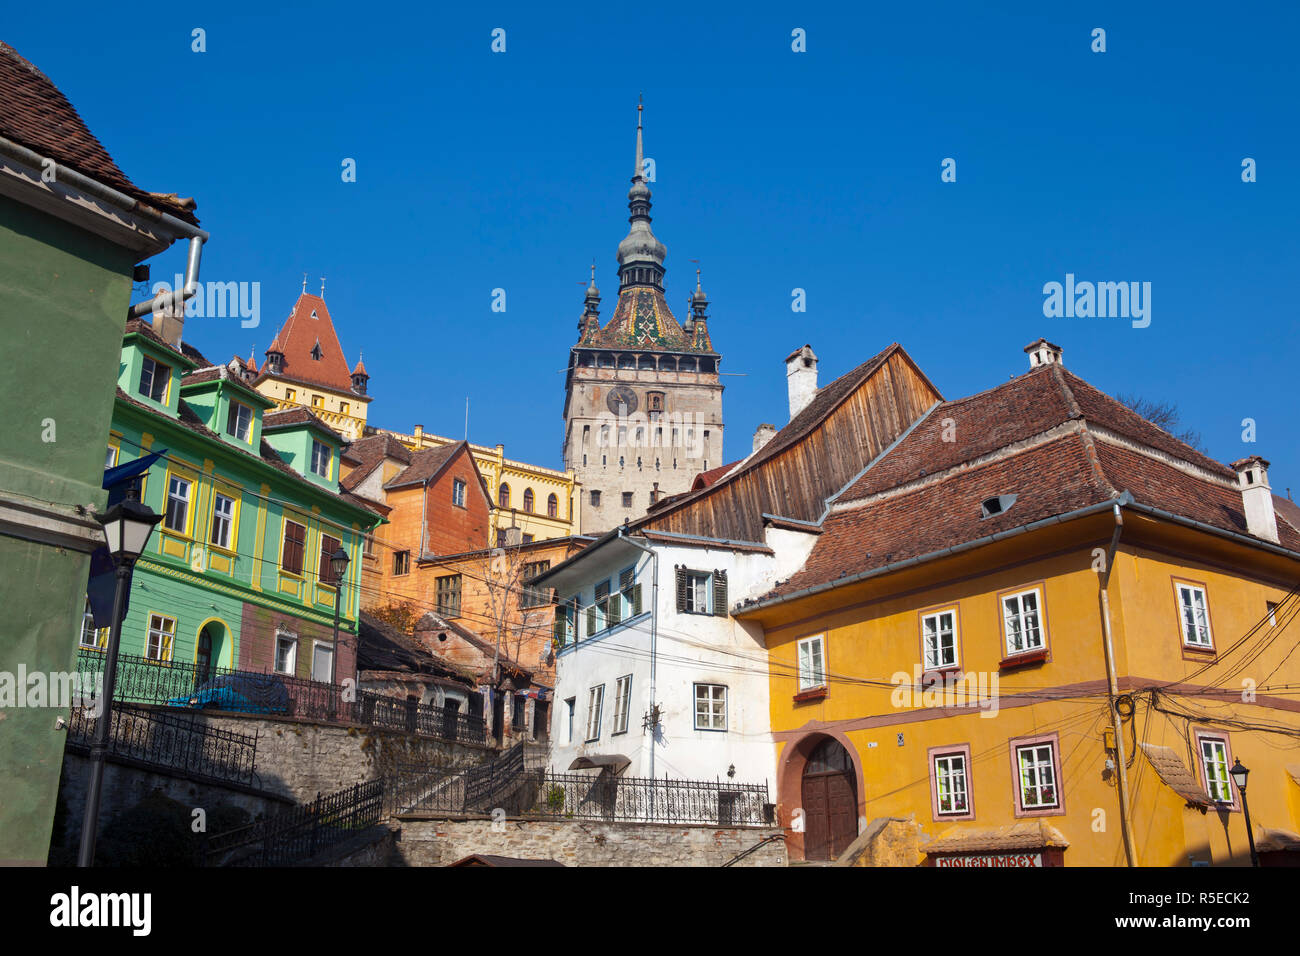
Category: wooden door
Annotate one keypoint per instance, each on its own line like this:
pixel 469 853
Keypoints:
pixel 830 802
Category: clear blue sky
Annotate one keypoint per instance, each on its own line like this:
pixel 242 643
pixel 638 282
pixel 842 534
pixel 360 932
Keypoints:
pixel 778 170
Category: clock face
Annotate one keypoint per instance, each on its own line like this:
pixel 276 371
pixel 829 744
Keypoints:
pixel 621 400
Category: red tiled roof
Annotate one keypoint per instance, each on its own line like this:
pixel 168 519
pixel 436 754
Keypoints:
pixel 300 335
pixel 288 417
pixel 1047 437
pixel 706 478
pixel 368 452
pixel 426 463
pixel 35 114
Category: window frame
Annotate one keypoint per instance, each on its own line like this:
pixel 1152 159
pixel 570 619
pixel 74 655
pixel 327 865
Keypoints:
pixel 1203 770
pixel 458 492
pixel 316 647
pixel 804 686
pixel 233 410
pixel 596 709
pixel 934 755
pixel 169 645
pixel 1041 650
pixel 98 634
pixel 149 360
pixel 292 640
pixel 447 611
pixel 622 704
pixel 317 444
pixel 285 521
pixel 571 709
pixel 188 522
pixel 231 544
pixel 936 612
pixel 695 710
pixel 1015 746
pixel 401 559
pixel 1194 587
pixel 323 560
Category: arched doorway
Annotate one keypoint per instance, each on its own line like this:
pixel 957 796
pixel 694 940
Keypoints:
pixel 830 801
pixel 203 656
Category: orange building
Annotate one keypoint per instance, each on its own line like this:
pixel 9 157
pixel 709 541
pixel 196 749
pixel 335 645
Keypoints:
pixel 1038 630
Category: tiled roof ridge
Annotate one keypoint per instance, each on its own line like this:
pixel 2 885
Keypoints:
pixel 1186 467
pixel 1057 432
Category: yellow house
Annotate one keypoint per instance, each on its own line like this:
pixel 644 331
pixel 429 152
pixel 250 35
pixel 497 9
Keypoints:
pixel 1038 630
pixel 541 502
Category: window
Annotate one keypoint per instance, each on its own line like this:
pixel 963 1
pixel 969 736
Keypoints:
pixel 295 541
pixel 322 662
pixel 528 539
pixel 1038 788
pixel 162 634
pixel 448 595
pixel 368 544
pixel 654 401
pixel 564 631
pixel 91 636
pixel 458 493
pixel 154 379
pixel 710 707
pixel 178 504
pixel 528 500
pixel 1271 608
pixel 595 499
pixel 534 597
pixel 503 496
pixel 622 703
pixel 1020 621
pixel 595 705
pixel 1214 768
pixel 321 455
pixel 239 422
pixel 552 507
pixel 110 457
pixel 598 613
pixel 629 594
pixel 570 706
pixel 290 395
pixel 324 570
pixel 812 670
pixel 939 639
pixel 223 520
pixel 318 401
pixel 1195 616
pixel 344 408
pixel 519 718
pixel 401 562
pixel 701 592
pixel 501 537
pixel 316 352
pixel 627 499
pixel 950 785
pixel 286 654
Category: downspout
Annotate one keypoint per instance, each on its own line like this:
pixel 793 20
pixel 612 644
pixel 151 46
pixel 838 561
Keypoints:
pixel 1112 685
pixel 654 632
pixel 130 205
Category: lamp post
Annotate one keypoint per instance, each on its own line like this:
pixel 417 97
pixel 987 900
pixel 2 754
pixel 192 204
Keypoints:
pixel 339 568
pixel 1239 775
pixel 127 527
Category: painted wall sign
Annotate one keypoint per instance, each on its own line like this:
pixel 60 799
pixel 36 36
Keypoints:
pixel 991 859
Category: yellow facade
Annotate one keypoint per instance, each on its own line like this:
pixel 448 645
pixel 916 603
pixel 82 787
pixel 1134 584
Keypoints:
pixel 872 703
pixel 535 523
pixel 344 412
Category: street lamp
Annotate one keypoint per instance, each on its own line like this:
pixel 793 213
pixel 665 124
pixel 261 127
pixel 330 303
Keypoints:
pixel 127 527
pixel 339 568
pixel 1239 775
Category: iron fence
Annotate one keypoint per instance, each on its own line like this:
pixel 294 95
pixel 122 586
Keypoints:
pixel 143 680
pixel 611 798
pixel 173 742
pixel 300 833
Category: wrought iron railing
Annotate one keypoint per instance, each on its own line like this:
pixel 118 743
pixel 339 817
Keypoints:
pixel 173 742
pixel 142 680
pixel 507 783
pixel 300 833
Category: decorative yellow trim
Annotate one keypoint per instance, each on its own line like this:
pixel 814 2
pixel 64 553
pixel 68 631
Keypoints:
pixel 259 562
pixel 229 644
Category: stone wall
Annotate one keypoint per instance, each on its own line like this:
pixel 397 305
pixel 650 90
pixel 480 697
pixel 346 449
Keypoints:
pixel 299 759
pixel 427 841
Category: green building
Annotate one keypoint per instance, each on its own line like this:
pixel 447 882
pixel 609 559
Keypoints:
pixel 73 228
pixel 237 573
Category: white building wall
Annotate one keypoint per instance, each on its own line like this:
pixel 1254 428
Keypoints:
pixel 689 649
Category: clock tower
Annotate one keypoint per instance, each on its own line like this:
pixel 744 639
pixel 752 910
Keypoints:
pixel 643 404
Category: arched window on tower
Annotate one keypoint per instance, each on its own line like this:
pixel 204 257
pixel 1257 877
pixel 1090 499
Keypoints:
pixel 503 495
pixel 528 500
pixel 552 507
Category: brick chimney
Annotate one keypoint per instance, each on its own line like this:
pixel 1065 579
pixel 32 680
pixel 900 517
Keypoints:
pixel 763 434
pixel 169 323
pixel 1043 352
pixel 1256 497
pixel 801 378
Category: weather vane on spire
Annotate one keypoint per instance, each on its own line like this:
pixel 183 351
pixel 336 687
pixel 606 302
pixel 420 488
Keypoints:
pixel 322 287
pixel 304 283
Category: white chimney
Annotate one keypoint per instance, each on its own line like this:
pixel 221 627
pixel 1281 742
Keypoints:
pixel 801 378
pixel 1044 352
pixel 763 434
pixel 1256 497
pixel 168 324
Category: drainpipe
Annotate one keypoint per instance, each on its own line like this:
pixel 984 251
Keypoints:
pixel 122 201
pixel 1126 824
pixel 654 633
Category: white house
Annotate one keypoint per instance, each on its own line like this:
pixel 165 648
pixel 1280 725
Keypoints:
pixel 652 672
